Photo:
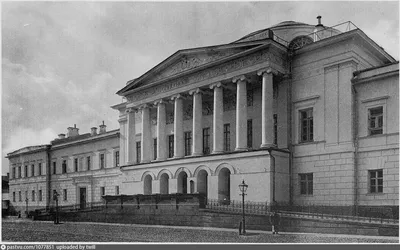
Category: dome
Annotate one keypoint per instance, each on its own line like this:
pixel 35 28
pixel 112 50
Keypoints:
pixel 288 23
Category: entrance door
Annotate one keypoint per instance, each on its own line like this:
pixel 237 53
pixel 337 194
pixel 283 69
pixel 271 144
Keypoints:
pixel 82 195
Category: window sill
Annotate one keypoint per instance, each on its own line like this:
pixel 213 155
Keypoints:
pixel 374 194
pixel 308 143
pixel 377 136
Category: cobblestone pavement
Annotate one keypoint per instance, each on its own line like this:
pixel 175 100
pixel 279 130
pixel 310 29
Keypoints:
pixel 35 231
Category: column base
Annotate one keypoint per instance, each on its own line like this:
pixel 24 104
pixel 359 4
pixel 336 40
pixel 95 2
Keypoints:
pixel 268 145
pixel 178 157
pixel 161 159
pixel 217 152
pixel 241 149
pixel 131 163
pixel 197 154
pixel 145 161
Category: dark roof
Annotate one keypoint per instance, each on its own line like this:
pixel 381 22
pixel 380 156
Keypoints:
pixel 78 137
pixel 288 23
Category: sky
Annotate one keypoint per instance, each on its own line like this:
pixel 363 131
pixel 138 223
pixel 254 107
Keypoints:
pixel 63 62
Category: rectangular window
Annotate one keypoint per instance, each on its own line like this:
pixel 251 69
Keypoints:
pixel 170 146
pixel 306 183
pixel 116 158
pixel 101 161
pixel 64 166
pixel 19 172
pixel 306 125
pixel 33 195
pixel 32 170
pixel 102 191
pixel 13 172
pixel 26 195
pixel 250 133
pixel 65 195
pixel 13 196
pixel 227 137
pixel 76 164
pixel 138 151
pixel 275 129
pixel 188 143
pixel 155 148
pixel 54 167
pixel 19 196
pixel 40 195
pixel 206 141
pixel 26 170
pixel 40 168
pixel 88 162
pixel 375 121
pixel 116 190
pixel 376 181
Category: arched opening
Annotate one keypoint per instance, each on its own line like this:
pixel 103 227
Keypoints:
pixel 147 182
pixel 224 183
pixel 191 187
pixel 202 177
pixel 182 182
pixel 164 183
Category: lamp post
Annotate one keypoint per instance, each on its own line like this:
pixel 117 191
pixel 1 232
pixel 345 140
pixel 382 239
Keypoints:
pixel 243 187
pixel 55 197
pixel 26 202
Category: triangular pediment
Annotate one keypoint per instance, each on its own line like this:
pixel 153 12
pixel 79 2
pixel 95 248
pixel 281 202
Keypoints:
pixel 188 60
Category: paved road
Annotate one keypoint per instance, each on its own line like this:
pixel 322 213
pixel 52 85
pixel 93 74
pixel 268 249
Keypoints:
pixel 37 231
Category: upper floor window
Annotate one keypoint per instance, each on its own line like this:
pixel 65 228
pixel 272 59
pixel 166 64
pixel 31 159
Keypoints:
pixel 155 148
pixel 250 133
pixel 306 125
pixel 102 161
pixel 138 151
pixel 188 143
pixel 376 181
pixel 65 194
pixel 88 162
pixel 375 121
pixel 32 170
pixel 116 158
pixel 227 137
pixel 26 170
pixel 33 195
pixel 170 146
pixel 13 172
pixel 206 141
pixel 76 164
pixel 40 195
pixel 102 191
pixel 19 172
pixel 40 168
pixel 116 190
pixel 13 196
pixel 306 183
pixel 64 166
pixel 299 42
pixel 19 196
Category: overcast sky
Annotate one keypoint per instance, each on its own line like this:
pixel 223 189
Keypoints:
pixel 63 62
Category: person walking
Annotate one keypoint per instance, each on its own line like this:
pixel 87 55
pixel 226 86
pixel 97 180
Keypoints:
pixel 275 221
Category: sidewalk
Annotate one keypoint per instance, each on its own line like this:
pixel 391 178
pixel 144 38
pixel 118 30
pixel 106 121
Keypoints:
pixel 250 232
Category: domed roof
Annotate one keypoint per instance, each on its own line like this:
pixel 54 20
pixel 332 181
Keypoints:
pixel 288 23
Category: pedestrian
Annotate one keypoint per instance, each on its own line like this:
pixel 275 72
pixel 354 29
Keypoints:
pixel 275 221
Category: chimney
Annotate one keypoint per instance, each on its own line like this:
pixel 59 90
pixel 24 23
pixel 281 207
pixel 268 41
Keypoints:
pixel 93 131
pixel 102 128
pixel 73 131
pixel 319 21
pixel 61 136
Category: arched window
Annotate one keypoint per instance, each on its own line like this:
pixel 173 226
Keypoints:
pixel 299 42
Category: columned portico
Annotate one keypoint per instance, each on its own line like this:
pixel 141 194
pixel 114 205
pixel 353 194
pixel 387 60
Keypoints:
pixel 241 112
pixel 267 119
pixel 131 136
pixel 197 121
pixel 146 134
pixel 218 118
pixel 161 139
pixel 178 126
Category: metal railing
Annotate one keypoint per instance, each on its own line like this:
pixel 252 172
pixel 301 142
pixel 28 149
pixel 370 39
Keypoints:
pixel 383 215
pixel 328 32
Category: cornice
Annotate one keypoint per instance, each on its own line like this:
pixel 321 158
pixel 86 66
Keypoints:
pixel 356 80
pixel 113 133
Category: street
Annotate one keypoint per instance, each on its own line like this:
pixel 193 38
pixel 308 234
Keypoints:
pixel 37 231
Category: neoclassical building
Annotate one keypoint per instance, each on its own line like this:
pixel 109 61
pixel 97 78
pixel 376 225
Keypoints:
pixel 302 113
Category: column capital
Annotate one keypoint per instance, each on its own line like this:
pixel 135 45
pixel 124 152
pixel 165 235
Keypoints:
pixel 215 85
pixel 131 110
pixel 239 78
pixel 123 119
pixel 143 106
pixel 159 101
pixel 267 71
pixel 196 91
pixel 177 96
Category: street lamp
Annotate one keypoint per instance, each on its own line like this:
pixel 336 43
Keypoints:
pixel 243 187
pixel 55 197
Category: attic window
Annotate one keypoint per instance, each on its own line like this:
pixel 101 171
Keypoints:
pixel 299 42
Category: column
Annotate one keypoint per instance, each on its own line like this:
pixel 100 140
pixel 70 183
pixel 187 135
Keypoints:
pixel 241 113
pixel 161 139
pixel 267 119
pixel 178 126
pixel 122 141
pixel 146 135
pixel 218 123
pixel 197 149
pixel 131 137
